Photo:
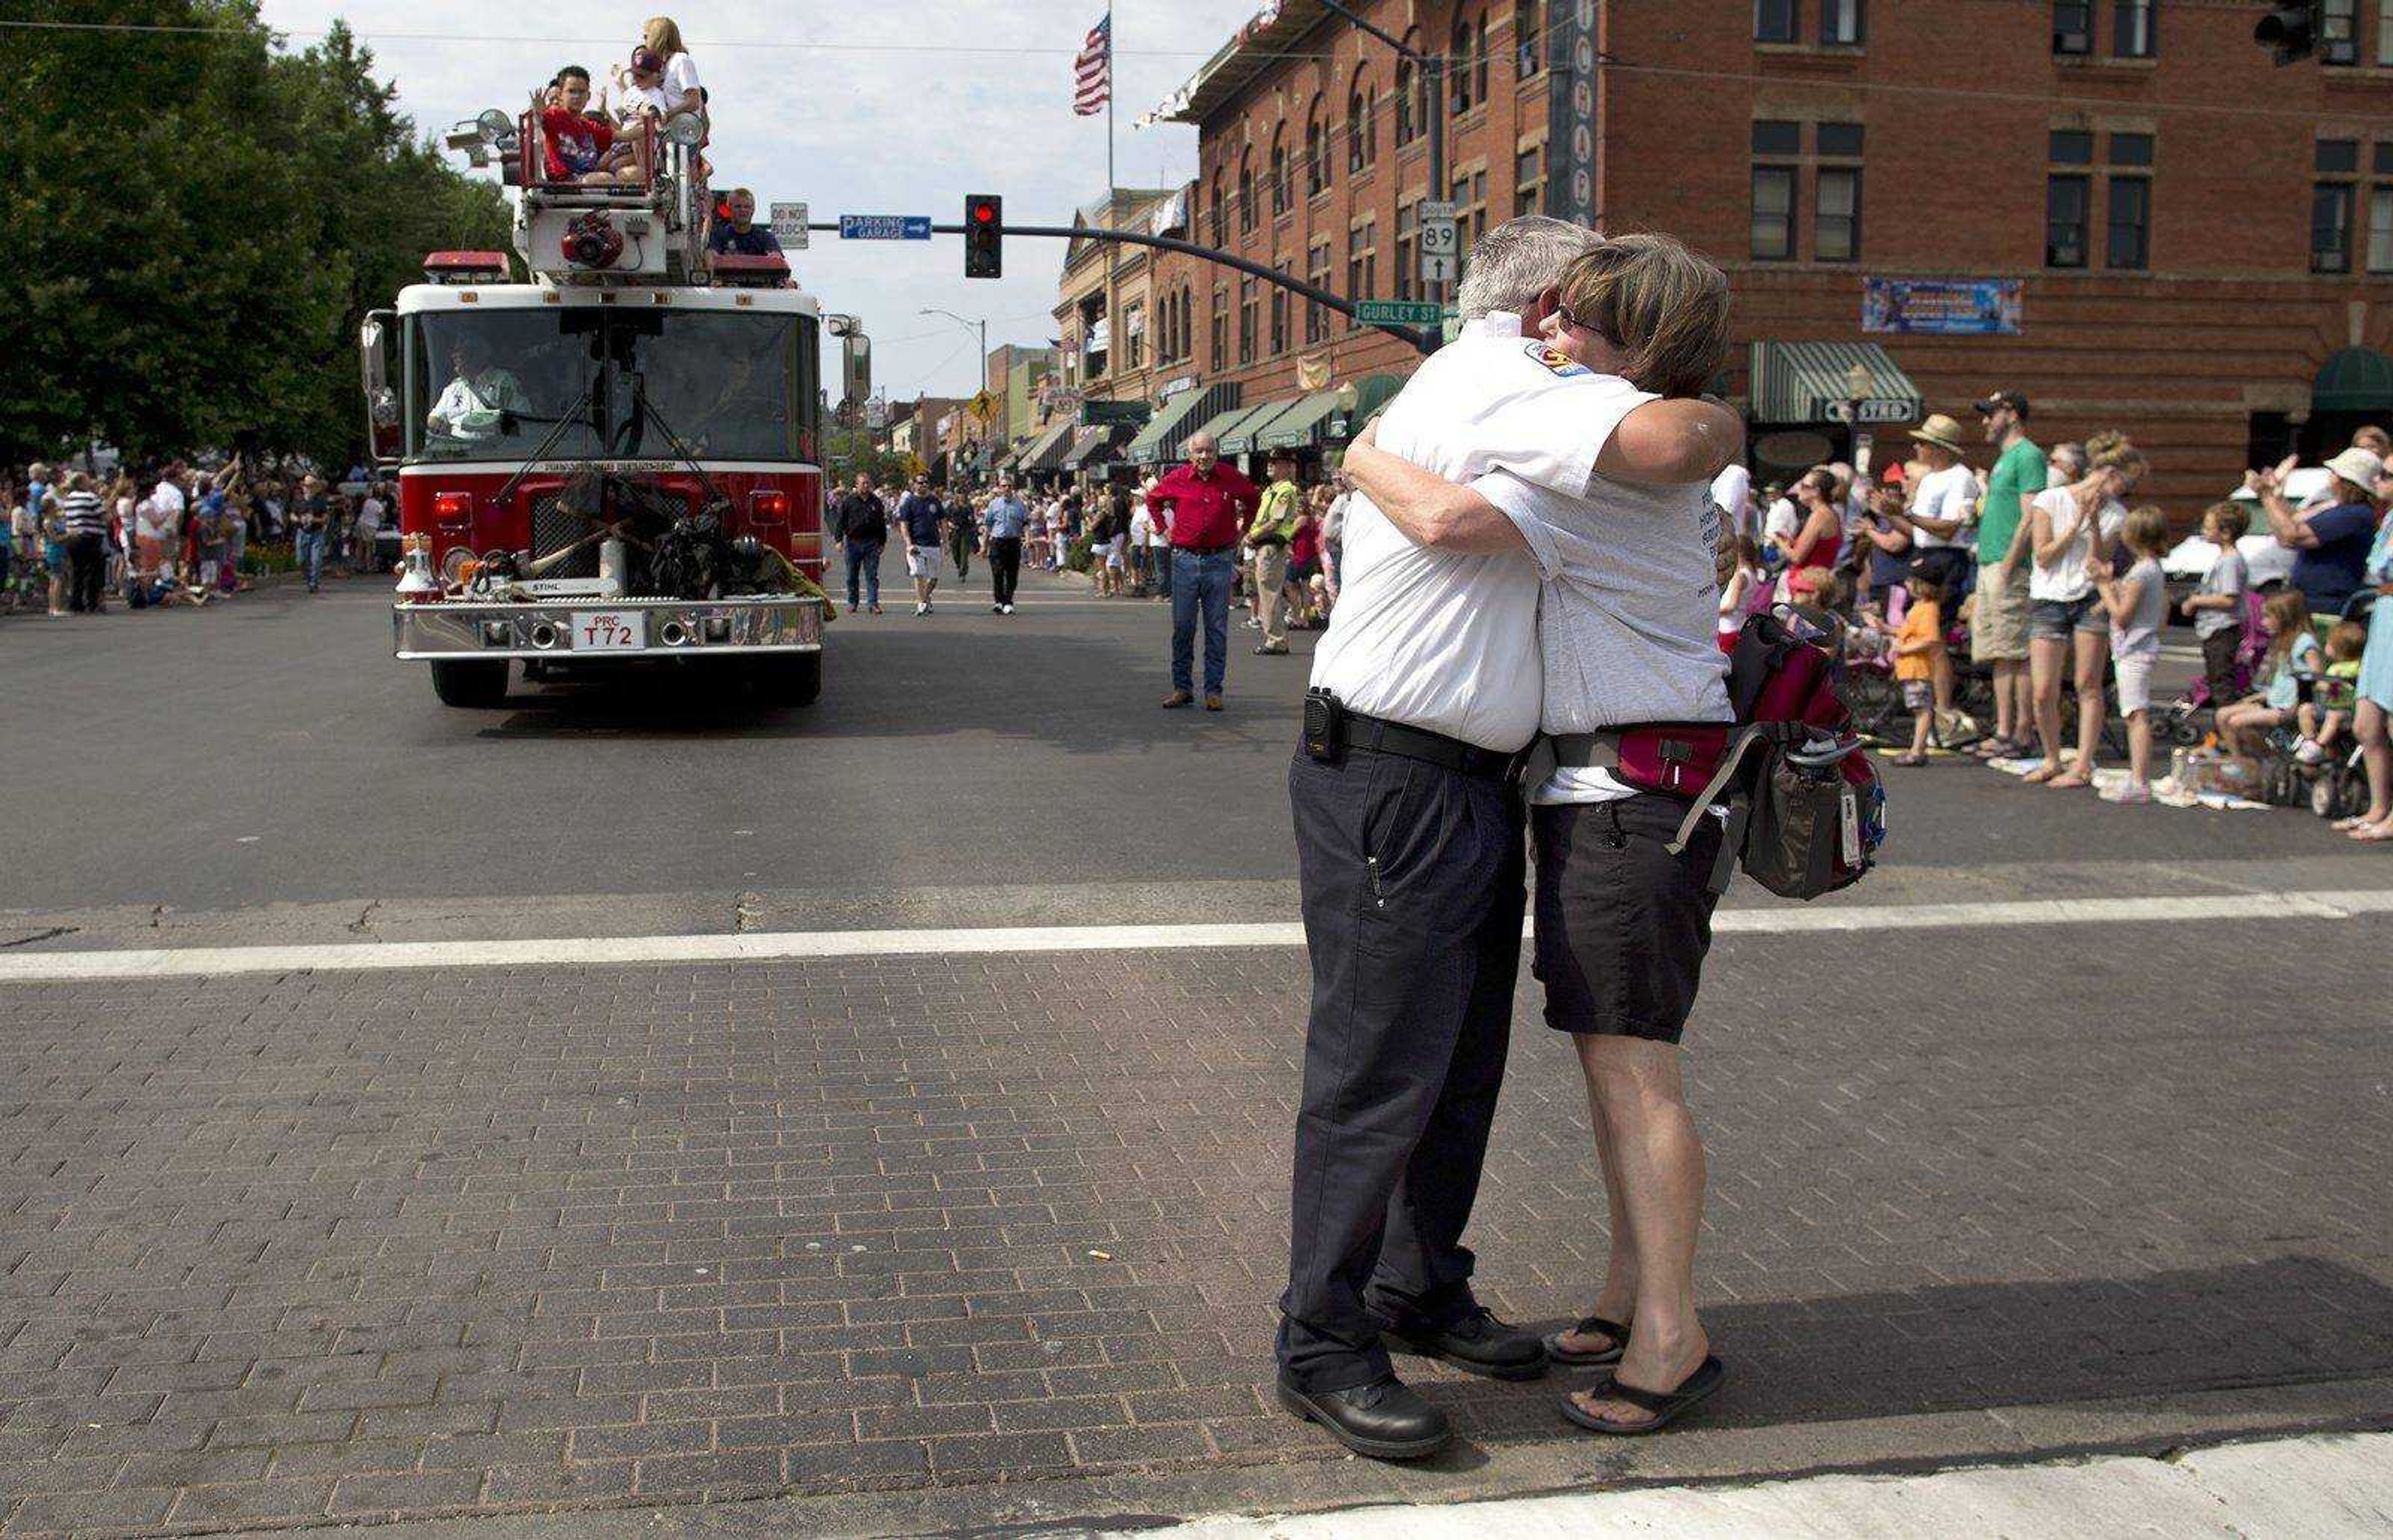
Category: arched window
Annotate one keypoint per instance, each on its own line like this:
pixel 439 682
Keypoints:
pixel 1213 211
pixel 1316 152
pixel 1529 37
pixel 1479 55
pixel 1246 191
pixel 1358 127
pixel 1461 66
pixel 1409 118
pixel 1279 168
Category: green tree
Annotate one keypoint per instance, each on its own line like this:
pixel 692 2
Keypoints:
pixel 199 220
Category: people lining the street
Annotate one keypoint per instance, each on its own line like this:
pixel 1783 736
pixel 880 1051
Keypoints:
pixel 1279 509
pixel 2071 530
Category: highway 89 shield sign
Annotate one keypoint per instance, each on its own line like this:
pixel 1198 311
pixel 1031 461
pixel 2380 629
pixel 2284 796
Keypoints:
pixel 1441 243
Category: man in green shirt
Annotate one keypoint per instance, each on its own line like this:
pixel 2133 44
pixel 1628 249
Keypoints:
pixel 1274 525
pixel 1998 633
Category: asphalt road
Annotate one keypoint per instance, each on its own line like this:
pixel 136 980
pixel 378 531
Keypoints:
pixel 967 766
pixel 956 1237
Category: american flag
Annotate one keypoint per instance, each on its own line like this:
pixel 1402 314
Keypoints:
pixel 1092 72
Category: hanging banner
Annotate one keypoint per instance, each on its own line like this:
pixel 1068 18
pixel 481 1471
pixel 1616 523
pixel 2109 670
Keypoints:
pixel 1943 307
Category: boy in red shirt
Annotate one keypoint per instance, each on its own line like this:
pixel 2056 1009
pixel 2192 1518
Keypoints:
pixel 577 146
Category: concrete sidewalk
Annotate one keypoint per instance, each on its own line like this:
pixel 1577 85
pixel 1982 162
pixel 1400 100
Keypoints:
pixel 2333 1484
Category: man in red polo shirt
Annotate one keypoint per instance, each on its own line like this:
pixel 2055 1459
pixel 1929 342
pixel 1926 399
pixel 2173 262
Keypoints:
pixel 1209 504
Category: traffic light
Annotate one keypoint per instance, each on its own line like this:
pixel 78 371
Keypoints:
pixel 2291 31
pixel 983 235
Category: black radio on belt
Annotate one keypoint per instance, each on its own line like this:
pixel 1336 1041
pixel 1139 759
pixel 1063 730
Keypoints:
pixel 1324 726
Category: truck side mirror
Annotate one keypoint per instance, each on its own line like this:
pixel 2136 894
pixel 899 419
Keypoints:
pixel 855 365
pixel 383 429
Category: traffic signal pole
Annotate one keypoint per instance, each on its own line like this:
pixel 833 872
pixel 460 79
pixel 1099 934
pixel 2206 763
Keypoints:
pixel 1426 341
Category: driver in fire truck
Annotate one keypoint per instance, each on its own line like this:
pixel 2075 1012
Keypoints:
pixel 478 395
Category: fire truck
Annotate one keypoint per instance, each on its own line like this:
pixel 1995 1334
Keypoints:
pixel 615 463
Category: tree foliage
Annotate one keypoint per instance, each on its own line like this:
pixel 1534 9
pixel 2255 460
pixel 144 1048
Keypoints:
pixel 199 219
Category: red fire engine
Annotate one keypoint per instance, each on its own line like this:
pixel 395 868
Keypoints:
pixel 617 462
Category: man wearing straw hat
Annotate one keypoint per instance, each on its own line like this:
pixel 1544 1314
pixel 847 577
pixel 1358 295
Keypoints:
pixel 1942 504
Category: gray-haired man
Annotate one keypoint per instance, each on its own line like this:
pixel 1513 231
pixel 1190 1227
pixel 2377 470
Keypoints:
pixel 1427 684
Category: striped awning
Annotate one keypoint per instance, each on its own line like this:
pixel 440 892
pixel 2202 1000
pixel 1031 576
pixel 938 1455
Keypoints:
pixel 1158 442
pixel 1246 435
pixel 1300 424
pixel 1811 382
pixel 2358 379
pixel 1046 451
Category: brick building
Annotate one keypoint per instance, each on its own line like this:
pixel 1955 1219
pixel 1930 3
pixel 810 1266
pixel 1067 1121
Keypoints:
pixel 2118 206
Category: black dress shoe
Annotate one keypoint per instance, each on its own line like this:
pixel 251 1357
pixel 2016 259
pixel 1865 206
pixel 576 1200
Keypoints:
pixel 1478 1343
pixel 1383 1419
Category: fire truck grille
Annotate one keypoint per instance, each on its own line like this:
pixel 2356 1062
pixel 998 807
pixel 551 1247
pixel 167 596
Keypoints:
pixel 553 529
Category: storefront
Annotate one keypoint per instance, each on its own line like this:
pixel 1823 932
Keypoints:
pixel 1161 443
pixel 1810 399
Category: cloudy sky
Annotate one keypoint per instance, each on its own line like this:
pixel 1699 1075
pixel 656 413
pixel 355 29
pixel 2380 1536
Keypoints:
pixel 903 106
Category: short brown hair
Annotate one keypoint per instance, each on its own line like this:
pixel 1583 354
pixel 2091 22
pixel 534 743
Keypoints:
pixel 2234 520
pixel 1658 302
pixel 2147 530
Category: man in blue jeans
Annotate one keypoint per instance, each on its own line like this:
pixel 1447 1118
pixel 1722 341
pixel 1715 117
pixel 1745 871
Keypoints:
pixel 311 511
pixel 1209 503
pixel 862 526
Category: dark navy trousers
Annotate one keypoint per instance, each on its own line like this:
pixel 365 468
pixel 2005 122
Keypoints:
pixel 1412 878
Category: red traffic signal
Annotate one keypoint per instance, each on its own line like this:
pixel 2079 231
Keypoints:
pixel 983 235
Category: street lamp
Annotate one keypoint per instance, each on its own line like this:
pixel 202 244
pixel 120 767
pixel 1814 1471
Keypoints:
pixel 979 326
pixel 1857 390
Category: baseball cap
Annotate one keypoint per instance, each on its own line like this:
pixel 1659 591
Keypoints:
pixel 647 61
pixel 2002 398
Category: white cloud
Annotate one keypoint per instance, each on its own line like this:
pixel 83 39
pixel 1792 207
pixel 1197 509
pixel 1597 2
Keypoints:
pixel 886 109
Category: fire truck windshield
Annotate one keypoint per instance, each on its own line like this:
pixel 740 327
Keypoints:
pixel 497 384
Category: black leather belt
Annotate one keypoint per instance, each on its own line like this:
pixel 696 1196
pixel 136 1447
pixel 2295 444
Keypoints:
pixel 1395 738
pixel 1204 550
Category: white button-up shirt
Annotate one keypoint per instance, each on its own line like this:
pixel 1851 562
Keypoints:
pixel 1435 640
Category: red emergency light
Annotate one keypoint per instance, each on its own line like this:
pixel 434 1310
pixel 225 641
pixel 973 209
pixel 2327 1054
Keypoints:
pixel 465 267
pixel 769 270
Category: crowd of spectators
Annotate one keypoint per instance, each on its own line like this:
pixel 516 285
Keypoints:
pixel 2044 589
pixel 73 539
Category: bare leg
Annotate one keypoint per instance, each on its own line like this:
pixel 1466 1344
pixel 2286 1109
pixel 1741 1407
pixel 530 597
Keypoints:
pixel 2140 748
pixel 1636 1084
pixel 2376 749
pixel 1616 1300
pixel 2046 657
pixel 2093 650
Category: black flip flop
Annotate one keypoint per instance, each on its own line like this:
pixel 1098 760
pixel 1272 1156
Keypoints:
pixel 1579 1358
pixel 1667 1406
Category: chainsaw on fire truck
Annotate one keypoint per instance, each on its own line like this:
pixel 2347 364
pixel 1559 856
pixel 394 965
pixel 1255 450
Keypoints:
pixel 616 462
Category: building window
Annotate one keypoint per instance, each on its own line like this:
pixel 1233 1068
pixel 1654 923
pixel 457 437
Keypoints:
pixel 2338 32
pixel 2380 231
pixel 1278 321
pixel 1839 141
pixel 1841 22
pixel 2337 155
pixel 1777 138
pixel 1409 251
pixel 2065 199
pixel 1220 328
pixel 1836 235
pixel 1133 346
pixel 1529 38
pixel 2131 30
pixel 1362 127
pixel 2330 227
pixel 1469 208
pixel 1773 21
pixel 2131 150
pixel 1463 65
pixel 2072 147
pixel 1408 117
pixel 1362 263
pixel 1528 181
pixel 1246 320
pixel 1280 171
pixel 1317 320
pixel 1213 211
pixel 2385 33
pixel 2130 244
pixel 2072 27
pixel 1246 192
pixel 1773 213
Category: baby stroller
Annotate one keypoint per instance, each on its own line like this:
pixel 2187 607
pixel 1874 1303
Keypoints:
pixel 2178 724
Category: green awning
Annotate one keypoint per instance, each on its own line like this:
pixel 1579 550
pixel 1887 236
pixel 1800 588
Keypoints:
pixel 1248 436
pixel 2358 379
pixel 1372 393
pixel 1094 446
pixel 1300 424
pixel 1223 424
pixel 1046 451
pixel 1175 423
pixel 1810 381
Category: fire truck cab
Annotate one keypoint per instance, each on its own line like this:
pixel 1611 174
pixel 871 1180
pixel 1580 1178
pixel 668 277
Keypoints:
pixel 617 462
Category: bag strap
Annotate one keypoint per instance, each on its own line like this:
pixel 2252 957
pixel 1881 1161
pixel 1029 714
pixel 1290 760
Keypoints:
pixel 1747 737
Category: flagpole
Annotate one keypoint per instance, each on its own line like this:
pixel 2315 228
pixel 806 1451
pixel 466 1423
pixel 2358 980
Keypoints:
pixel 1115 335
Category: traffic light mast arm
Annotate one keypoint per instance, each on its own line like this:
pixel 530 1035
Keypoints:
pixel 1425 340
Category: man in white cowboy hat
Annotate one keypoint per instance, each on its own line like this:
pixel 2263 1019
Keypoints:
pixel 1943 502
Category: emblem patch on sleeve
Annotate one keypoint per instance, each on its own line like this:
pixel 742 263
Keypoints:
pixel 1556 359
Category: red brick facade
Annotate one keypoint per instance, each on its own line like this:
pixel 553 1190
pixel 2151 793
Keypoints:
pixel 2203 353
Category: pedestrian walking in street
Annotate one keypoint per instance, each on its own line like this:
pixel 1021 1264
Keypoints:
pixel 962 528
pixel 1998 629
pixel 2070 532
pixel 860 524
pixel 1618 521
pixel 311 518
pixel 1004 522
pixel 1209 503
pixel 924 524
pixel 1276 512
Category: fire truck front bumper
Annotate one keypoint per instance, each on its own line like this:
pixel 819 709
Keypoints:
pixel 602 630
